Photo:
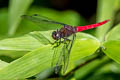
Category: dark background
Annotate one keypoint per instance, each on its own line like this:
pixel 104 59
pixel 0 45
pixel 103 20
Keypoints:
pixel 86 8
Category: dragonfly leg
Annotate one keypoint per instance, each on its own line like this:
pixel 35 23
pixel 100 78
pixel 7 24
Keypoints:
pixel 54 42
pixel 74 36
pixel 66 39
pixel 57 43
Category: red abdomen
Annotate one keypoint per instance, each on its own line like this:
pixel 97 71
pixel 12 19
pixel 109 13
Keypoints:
pixel 82 28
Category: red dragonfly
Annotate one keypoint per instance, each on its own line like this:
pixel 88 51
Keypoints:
pixel 61 36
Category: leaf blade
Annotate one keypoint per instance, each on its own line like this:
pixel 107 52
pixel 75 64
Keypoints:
pixel 40 59
pixel 105 11
pixel 15 12
pixel 114 33
pixel 112 49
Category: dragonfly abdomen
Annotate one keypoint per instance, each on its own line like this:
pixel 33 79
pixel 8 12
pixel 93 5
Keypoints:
pixel 82 28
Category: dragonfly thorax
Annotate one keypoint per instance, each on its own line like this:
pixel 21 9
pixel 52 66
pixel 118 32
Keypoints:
pixel 64 32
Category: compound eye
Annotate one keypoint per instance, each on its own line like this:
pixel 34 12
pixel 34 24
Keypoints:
pixel 54 32
pixel 54 35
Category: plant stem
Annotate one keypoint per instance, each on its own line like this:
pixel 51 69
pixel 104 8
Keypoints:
pixel 81 65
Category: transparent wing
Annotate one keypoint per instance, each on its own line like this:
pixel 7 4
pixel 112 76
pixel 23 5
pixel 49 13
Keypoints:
pixel 55 55
pixel 59 55
pixel 44 21
pixel 66 52
pixel 63 58
pixel 59 63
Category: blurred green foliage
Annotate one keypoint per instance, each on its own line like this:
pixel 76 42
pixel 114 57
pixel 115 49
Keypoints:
pixel 26 52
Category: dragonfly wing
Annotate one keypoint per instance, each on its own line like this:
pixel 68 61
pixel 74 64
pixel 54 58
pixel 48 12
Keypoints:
pixel 44 21
pixel 54 56
pixel 38 36
pixel 57 57
pixel 58 62
pixel 63 56
pixel 66 53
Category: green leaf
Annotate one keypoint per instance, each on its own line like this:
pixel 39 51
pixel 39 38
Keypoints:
pixel 106 10
pixel 16 9
pixel 12 53
pixel 112 49
pixel 85 72
pixel 3 21
pixel 43 75
pixel 40 59
pixel 3 64
pixel 114 34
pixel 117 5
pixel 115 67
pixel 26 42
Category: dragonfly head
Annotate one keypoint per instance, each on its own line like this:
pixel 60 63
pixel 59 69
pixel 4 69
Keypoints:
pixel 56 35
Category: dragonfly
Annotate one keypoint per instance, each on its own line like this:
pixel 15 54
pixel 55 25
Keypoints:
pixel 61 36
